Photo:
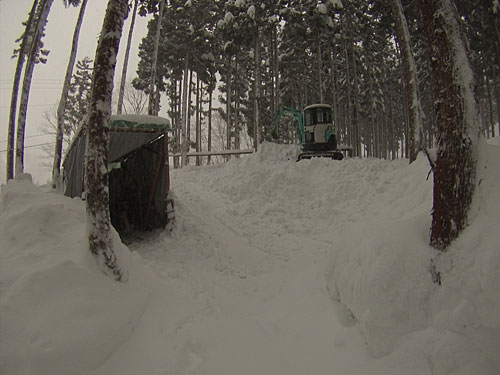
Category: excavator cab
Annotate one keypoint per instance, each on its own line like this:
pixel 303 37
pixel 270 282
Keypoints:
pixel 318 128
pixel 315 130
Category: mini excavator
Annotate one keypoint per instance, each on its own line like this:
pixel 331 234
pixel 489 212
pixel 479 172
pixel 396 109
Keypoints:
pixel 316 134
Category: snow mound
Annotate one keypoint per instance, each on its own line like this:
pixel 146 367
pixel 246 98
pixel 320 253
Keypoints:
pixel 381 273
pixel 245 282
pixel 495 141
pixel 53 296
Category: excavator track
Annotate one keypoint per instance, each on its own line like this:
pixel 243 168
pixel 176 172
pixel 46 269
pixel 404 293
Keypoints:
pixel 334 155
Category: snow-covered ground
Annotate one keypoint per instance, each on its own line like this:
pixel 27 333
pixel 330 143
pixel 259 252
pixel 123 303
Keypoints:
pixel 274 267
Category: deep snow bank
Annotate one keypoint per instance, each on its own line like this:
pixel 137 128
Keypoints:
pixel 58 313
pixel 381 273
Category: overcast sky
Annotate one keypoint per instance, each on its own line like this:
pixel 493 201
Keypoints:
pixel 47 79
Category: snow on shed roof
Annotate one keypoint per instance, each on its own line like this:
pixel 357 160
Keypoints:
pixel 318 105
pixel 132 122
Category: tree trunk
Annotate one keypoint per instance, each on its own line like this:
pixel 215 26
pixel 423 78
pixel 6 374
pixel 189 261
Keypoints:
pixel 356 125
pixel 256 130
pixel 152 99
pixel 125 60
pixel 236 125
pixel 456 117
pixel 28 75
pixel 406 114
pixel 209 136
pixel 371 140
pixel 277 69
pixel 198 120
pixel 96 154
pixel 496 84
pixel 184 120
pixel 333 77
pixel 349 125
pixel 320 68
pixel 229 99
pixel 61 109
pixel 491 122
pixel 25 45
pixel 188 130
pixel 411 80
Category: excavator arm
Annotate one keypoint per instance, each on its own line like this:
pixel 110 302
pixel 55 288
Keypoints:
pixel 286 111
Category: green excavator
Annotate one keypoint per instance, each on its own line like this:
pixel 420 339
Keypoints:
pixel 316 133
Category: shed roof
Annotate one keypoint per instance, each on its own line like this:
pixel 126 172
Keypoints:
pixel 145 123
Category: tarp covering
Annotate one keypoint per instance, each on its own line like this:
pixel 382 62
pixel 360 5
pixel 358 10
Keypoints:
pixel 120 144
pixel 138 178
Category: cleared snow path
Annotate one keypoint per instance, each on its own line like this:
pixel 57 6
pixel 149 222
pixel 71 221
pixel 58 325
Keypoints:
pixel 244 288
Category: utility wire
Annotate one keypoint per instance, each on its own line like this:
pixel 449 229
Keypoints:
pixel 32 146
pixel 33 136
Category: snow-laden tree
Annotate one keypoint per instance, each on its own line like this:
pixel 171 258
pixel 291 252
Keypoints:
pixel 34 57
pixel 97 130
pixel 154 92
pixel 411 79
pixel 26 40
pixel 76 109
pixel 61 109
pixel 482 19
pixel 119 107
pixel 457 120
pixel 79 95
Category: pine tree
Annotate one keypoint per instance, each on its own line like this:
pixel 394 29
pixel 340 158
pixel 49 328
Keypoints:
pixel 35 55
pixel 78 96
pixel 26 40
pixel 121 94
pixel 456 118
pixel 153 89
pixel 97 130
pixel 61 109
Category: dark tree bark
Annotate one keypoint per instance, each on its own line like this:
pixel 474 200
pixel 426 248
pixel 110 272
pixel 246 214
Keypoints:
pixel 198 119
pixel 96 176
pixel 457 120
pixel 229 101
pixel 257 130
pixel 42 11
pixel 25 45
pixel 209 145
pixel 61 109
pixel 184 116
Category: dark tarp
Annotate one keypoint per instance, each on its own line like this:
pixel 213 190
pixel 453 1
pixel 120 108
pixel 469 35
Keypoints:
pixel 138 175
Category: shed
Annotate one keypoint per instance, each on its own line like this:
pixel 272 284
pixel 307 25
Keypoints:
pixel 139 181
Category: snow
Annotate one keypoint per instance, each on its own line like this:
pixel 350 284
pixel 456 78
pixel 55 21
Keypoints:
pixel 228 17
pixel 273 267
pixel 337 4
pixel 208 56
pixel 495 6
pixel 322 8
pixel 251 11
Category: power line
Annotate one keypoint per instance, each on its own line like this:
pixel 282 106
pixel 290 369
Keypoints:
pixel 33 136
pixel 30 105
pixel 35 80
pixel 58 87
pixel 33 146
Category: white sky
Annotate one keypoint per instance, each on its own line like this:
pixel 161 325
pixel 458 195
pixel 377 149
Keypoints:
pixel 47 79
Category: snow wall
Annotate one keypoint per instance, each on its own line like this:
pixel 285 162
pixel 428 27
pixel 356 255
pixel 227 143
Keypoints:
pixel 53 297
pixel 381 273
